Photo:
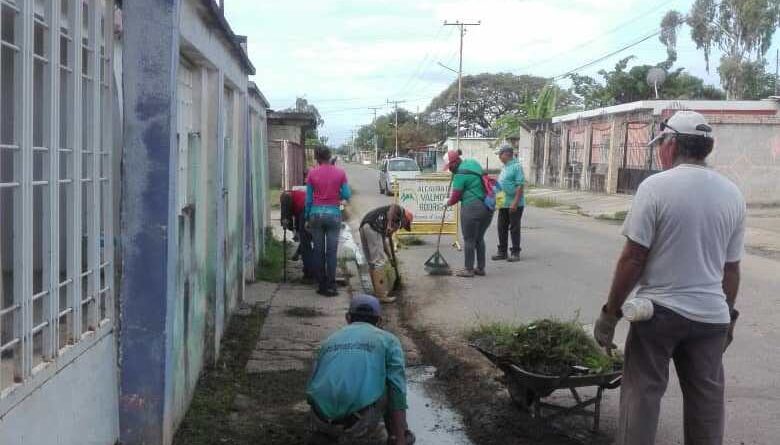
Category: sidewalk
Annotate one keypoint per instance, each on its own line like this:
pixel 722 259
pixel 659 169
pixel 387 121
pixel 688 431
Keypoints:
pixel 763 224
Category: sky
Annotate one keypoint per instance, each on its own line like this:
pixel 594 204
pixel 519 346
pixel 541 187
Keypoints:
pixel 346 56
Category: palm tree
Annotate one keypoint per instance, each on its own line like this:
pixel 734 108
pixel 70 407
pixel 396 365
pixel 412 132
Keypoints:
pixel 540 108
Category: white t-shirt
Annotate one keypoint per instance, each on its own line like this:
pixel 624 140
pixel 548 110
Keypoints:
pixel 693 221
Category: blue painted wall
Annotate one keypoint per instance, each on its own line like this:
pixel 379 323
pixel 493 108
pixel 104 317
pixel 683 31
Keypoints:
pixel 147 231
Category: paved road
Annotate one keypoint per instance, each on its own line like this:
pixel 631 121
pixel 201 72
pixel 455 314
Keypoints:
pixel 565 271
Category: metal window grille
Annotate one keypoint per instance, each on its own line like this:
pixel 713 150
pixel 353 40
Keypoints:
pixel 56 245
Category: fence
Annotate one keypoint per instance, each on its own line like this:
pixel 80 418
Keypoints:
pixel 553 174
pixel 287 162
pixel 599 157
pixel 575 156
pixel 638 161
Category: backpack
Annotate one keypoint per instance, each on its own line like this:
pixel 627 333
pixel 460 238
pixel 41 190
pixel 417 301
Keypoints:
pixel 490 186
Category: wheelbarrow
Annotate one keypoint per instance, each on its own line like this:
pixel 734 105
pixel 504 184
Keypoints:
pixel 527 389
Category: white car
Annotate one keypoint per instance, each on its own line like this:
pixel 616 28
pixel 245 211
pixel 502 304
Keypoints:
pixel 394 168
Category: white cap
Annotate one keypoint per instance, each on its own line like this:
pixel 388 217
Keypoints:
pixel 684 122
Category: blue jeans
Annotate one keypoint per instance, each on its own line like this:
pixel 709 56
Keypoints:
pixel 325 231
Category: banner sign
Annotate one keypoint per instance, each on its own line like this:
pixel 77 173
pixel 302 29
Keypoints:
pixel 426 197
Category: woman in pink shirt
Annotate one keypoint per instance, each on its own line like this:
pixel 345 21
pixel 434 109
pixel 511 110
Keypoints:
pixel 326 186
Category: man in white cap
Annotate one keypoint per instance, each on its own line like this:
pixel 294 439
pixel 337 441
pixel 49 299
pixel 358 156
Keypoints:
pixel 684 241
pixel 359 378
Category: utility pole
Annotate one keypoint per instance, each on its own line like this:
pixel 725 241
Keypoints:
pixel 462 26
pixel 777 72
pixel 353 141
pixel 376 137
pixel 395 104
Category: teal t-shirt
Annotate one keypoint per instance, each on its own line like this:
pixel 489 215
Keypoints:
pixel 468 182
pixel 510 179
pixel 355 367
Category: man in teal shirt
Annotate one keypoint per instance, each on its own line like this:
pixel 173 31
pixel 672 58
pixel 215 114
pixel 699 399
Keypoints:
pixel 510 202
pixel 359 378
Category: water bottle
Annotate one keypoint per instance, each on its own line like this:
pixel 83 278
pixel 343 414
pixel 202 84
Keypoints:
pixel 637 309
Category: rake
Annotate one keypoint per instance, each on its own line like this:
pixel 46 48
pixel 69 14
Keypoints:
pixel 436 264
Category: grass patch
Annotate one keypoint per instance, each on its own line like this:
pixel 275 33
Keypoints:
pixel 410 240
pixel 544 346
pixel 272 264
pixel 304 312
pixel 617 216
pixel 208 418
pixel 273 196
pixel 541 202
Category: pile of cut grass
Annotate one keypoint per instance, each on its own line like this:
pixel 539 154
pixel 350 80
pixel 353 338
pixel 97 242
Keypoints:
pixel 549 347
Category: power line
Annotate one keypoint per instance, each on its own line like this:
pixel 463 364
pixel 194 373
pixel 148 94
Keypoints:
pixel 586 43
pixel 419 83
pixel 607 56
pixel 416 71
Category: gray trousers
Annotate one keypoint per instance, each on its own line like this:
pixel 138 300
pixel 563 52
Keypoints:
pixel 475 219
pixel 697 351
pixel 366 427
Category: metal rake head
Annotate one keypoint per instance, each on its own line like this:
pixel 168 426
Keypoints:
pixel 437 265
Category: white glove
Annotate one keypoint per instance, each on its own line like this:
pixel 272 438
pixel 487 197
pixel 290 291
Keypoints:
pixel 604 330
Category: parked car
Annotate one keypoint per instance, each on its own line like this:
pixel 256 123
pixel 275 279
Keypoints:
pixel 395 168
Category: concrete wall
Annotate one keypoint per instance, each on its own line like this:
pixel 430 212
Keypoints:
pixel 76 405
pixel 183 257
pixel 259 182
pixel 749 154
pixel 275 163
pixel 481 149
pixel 747 146
pixel 278 132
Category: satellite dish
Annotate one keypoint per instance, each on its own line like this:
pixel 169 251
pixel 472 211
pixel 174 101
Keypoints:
pixel 655 77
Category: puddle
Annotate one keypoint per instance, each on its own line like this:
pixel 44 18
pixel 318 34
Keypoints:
pixel 433 421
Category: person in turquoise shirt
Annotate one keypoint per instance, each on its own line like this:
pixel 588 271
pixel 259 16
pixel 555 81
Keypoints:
pixel 359 378
pixel 511 203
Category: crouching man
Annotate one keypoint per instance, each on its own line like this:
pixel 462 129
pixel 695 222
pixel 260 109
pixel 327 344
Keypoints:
pixel 376 236
pixel 358 379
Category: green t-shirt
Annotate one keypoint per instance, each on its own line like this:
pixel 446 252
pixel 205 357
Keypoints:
pixel 468 180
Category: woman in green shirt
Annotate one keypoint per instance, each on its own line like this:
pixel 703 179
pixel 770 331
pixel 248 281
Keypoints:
pixel 475 217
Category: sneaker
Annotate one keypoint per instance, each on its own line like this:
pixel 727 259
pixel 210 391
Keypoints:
pixel 514 258
pixel 498 257
pixel 465 273
pixel 387 299
pixel 479 272
pixel 328 292
pixel 410 438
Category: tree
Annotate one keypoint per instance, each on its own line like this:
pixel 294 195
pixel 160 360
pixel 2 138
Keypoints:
pixel 411 133
pixel 541 107
pixel 303 106
pixel 622 85
pixel 741 29
pixel 486 97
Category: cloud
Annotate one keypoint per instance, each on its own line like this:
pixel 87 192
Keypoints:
pixel 372 50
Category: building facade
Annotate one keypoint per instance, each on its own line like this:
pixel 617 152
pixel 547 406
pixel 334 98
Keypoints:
pixel 605 150
pixel 133 182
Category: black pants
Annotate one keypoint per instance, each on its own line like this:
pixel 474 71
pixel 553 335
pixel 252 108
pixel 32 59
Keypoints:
pixel 475 219
pixel 509 224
